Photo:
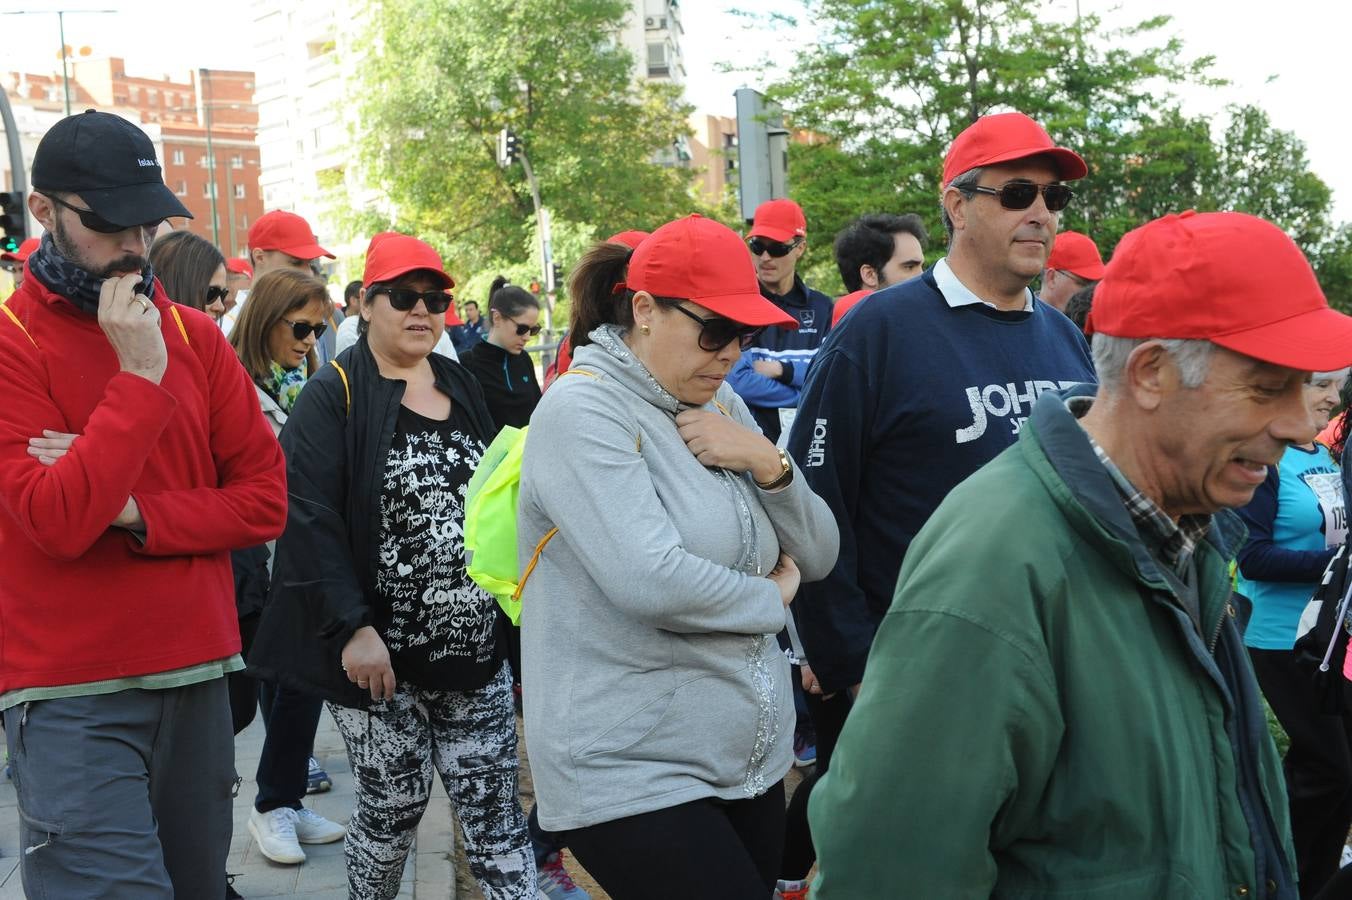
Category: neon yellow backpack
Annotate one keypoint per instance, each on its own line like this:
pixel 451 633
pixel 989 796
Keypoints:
pixel 490 522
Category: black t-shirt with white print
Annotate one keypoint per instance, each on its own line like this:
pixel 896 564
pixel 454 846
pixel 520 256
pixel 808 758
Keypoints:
pixel 438 624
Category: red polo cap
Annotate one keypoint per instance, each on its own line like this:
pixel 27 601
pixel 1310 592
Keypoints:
pixel 779 220
pixel 239 266
pixel 630 239
pixel 1004 138
pixel 391 254
pixel 1227 277
pixel 287 232
pixel 703 261
pixel 24 251
pixel 1076 253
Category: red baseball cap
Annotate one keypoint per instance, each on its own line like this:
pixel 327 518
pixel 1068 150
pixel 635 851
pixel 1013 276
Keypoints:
pixel 630 239
pixel 1006 137
pixel 391 254
pixel 25 250
pixel 239 266
pixel 1077 254
pixel 779 220
pixel 705 262
pixel 287 232
pixel 1233 279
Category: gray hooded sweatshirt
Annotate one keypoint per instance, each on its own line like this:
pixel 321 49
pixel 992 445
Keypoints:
pixel 648 625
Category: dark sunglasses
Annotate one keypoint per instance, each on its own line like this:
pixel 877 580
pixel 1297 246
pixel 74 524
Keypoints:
pixel 302 329
pixel 716 332
pixel 217 293
pixel 774 248
pixel 403 299
pixel 523 330
pixel 95 222
pixel 1021 194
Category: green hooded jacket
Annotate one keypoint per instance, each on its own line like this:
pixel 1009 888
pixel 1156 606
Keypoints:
pixel 1041 718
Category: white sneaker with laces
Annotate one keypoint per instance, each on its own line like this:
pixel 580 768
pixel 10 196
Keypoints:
pixel 312 828
pixel 275 832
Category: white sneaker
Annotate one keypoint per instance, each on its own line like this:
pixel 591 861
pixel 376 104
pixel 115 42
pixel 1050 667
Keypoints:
pixel 275 832
pixel 312 828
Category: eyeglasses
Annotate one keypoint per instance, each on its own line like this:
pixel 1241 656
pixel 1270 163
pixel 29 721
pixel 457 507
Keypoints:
pixel 1021 194
pixel 716 332
pixel 403 300
pixel 95 222
pixel 302 330
pixel 216 293
pixel 523 330
pixel 774 248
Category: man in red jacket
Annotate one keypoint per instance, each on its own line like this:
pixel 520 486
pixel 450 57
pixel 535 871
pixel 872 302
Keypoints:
pixel 116 600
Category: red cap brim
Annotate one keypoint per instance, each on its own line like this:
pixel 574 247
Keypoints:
pixel 1069 165
pixel 1316 341
pixel 779 235
pixel 748 309
pixel 305 251
pixel 1091 272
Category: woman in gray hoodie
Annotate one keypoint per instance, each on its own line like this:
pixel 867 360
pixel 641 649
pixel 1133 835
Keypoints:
pixel 659 716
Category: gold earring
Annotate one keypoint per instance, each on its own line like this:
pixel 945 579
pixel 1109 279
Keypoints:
pixel 645 329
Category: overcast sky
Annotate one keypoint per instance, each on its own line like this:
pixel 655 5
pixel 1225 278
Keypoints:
pixel 1288 57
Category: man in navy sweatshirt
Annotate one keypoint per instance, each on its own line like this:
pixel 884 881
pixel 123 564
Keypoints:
pixel 770 374
pixel 927 381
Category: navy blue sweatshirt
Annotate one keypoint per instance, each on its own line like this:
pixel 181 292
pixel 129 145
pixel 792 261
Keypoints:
pixel 906 398
pixel 792 349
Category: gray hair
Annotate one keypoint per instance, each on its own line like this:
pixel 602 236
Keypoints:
pixel 1193 358
pixel 963 182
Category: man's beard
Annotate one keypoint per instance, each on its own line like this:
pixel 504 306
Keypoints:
pixel 129 262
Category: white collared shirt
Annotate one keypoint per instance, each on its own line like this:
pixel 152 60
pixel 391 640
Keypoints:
pixel 958 294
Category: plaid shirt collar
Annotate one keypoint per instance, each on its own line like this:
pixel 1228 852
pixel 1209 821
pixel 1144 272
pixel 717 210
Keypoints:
pixel 1175 542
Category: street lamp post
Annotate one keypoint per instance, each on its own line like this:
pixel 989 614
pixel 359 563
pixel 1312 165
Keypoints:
pixel 61 27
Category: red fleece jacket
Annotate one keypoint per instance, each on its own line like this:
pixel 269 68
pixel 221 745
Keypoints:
pixel 81 601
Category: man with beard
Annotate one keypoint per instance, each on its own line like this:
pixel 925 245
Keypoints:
pixel 133 458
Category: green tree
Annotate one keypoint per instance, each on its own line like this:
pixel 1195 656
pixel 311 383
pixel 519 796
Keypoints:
pixel 445 76
pixel 893 81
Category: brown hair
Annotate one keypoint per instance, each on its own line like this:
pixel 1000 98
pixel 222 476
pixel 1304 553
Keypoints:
pixel 592 289
pixel 272 297
pixel 184 264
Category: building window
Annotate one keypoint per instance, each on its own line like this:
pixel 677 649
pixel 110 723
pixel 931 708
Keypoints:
pixel 208 190
pixel 658 66
pixel 178 157
pixel 182 189
pixel 239 192
pixel 244 222
pixel 237 162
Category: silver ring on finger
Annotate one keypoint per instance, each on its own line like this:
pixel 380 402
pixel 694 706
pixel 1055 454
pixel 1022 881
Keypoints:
pixel 145 304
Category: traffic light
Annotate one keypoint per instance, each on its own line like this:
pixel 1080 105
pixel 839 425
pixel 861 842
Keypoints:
pixel 509 147
pixel 13 221
pixel 557 278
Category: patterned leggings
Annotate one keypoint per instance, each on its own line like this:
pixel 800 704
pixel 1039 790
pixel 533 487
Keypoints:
pixel 470 738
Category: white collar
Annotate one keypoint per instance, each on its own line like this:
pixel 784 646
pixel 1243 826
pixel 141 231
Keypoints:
pixel 958 294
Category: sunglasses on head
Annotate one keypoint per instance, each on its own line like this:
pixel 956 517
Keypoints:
pixel 1021 194
pixel 95 222
pixel 302 330
pixel 716 332
pixel 216 293
pixel 523 330
pixel 774 248
pixel 403 299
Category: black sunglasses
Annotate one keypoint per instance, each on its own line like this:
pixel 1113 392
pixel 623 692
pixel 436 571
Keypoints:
pixel 523 330
pixel 1021 194
pixel 716 332
pixel 403 299
pixel 302 329
pixel 95 222
pixel 216 293
pixel 774 248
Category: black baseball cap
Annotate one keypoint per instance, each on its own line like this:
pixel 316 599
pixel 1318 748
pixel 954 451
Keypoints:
pixel 108 163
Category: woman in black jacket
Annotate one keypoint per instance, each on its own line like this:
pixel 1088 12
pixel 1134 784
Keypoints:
pixel 371 606
pixel 505 370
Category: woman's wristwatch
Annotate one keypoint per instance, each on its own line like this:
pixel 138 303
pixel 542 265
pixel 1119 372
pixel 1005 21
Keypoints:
pixel 785 473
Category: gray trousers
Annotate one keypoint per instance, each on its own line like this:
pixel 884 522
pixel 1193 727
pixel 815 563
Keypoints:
pixel 124 794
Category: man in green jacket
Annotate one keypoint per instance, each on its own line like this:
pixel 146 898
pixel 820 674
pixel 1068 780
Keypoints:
pixel 1058 702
